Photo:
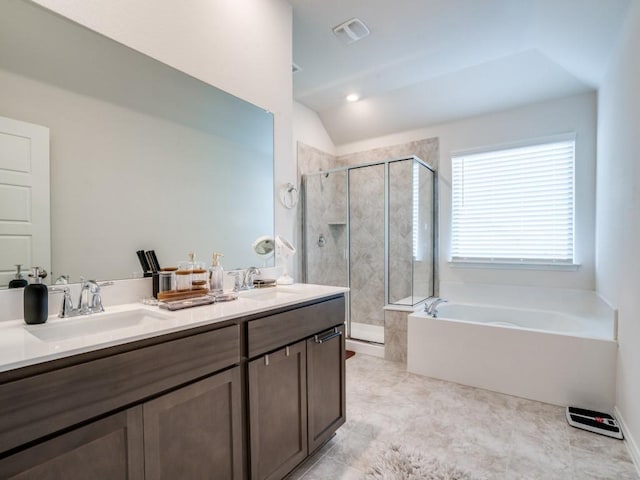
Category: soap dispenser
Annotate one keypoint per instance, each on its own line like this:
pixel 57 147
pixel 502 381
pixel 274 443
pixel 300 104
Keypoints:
pixel 19 281
pixel 216 275
pixel 36 299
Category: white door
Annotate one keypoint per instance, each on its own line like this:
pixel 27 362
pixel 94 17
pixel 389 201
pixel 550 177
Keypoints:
pixel 25 233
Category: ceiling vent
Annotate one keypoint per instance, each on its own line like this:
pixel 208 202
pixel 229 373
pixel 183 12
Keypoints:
pixel 295 68
pixel 351 31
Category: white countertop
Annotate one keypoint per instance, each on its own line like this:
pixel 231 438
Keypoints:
pixel 22 345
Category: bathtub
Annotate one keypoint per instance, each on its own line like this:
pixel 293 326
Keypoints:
pixel 540 355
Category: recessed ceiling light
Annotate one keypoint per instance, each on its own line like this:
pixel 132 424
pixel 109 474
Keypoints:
pixel 353 97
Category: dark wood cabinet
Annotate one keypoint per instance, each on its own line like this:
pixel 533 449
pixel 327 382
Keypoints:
pixel 196 431
pixel 278 412
pixel 325 385
pixel 249 397
pixel 186 419
pixel 107 449
pixel 296 393
pixel 43 404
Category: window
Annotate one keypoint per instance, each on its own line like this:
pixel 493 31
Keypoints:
pixel 514 205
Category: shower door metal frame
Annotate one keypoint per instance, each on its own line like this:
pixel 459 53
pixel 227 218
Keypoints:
pixel 347 253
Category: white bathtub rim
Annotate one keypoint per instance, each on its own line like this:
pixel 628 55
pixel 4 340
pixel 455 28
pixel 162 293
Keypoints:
pixel 585 303
pixel 610 336
pixel 582 315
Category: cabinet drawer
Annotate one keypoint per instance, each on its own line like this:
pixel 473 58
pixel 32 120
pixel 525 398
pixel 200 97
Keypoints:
pixel 269 333
pixel 42 404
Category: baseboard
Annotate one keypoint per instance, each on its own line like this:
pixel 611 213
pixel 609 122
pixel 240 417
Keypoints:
pixel 632 446
pixel 375 350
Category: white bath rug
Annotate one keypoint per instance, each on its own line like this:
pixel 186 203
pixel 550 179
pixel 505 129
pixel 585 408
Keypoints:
pixel 402 463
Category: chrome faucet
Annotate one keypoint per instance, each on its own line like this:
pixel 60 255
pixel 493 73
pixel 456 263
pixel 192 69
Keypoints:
pixel 243 279
pixel 432 308
pixel 88 290
pixel 248 277
pixel 90 300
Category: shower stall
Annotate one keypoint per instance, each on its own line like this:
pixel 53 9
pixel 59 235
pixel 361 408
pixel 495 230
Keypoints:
pixel 371 228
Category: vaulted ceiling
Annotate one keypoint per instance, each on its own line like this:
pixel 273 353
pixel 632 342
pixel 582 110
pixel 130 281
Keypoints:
pixel 433 61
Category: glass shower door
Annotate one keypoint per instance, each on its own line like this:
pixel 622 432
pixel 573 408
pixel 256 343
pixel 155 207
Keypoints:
pixel 367 252
pixel 411 234
pixel 371 228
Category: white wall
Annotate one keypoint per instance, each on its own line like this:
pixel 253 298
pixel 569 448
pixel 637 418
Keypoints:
pixel 618 220
pixel 240 46
pixel 308 129
pixel 571 114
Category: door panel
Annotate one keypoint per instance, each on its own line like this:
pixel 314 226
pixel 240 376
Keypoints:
pixel 278 412
pixel 108 449
pixel 326 385
pixel 25 234
pixel 195 432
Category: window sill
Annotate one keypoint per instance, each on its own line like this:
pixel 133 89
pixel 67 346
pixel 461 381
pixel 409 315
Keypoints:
pixel 514 266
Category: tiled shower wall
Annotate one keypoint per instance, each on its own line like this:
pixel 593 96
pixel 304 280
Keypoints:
pixel 326 204
pixel 366 255
pixel 326 236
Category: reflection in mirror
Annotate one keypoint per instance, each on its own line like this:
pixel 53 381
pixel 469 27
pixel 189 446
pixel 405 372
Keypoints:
pixel 264 247
pixel 286 250
pixel 142 156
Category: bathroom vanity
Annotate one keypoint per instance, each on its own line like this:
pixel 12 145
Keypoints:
pixel 241 390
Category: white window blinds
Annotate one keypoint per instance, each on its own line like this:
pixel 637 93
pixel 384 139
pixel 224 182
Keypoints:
pixel 514 205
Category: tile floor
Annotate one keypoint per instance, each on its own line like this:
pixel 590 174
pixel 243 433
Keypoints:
pixel 493 436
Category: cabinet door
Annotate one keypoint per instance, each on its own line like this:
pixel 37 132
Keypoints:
pixel 278 412
pixel 195 432
pixel 108 449
pixel 326 385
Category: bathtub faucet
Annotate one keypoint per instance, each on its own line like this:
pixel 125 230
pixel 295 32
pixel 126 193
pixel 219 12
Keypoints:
pixel 432 308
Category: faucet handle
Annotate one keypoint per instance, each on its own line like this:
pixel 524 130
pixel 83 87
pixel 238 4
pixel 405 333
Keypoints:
pixel 96 296
pixel 96 303
pixel 66 308
pixel 236 274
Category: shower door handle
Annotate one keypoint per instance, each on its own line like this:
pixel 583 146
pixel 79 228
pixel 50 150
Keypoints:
pixel 326 338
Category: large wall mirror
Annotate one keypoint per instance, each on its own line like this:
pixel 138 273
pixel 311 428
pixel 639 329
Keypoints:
pixel 142 156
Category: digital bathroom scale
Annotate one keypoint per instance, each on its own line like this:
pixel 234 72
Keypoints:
pixel 596 422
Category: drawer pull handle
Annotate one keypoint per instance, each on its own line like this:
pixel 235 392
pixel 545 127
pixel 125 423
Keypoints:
pixel 286 351
pixel 266 360
pixel 326 338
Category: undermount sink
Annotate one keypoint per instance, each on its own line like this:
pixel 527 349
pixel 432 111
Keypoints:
pixel 111 324
pixel 268 294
